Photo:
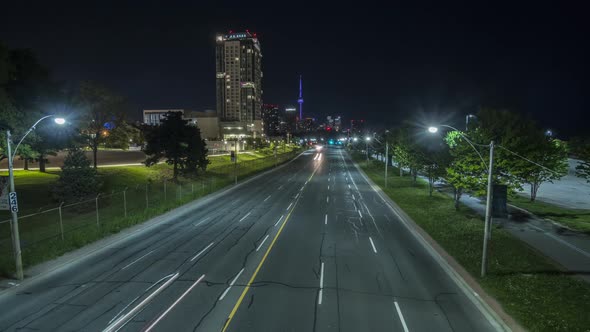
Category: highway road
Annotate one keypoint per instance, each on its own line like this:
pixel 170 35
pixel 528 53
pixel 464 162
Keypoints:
pixel 307 247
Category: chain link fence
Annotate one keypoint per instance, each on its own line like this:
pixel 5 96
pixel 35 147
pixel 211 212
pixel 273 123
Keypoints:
pixel 53 231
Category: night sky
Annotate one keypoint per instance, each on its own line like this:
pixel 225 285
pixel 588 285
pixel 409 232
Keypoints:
pixel 380 63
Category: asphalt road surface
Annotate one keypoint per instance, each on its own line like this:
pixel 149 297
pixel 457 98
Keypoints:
pixel 307 247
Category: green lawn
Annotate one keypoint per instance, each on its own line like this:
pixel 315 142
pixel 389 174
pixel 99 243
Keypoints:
pixel 572 218
pixel 143 192
pixel 531 288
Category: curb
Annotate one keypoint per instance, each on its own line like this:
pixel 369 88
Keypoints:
pixel 486 304
pixel 48 268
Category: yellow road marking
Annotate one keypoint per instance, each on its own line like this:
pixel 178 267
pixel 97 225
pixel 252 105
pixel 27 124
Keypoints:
pixel 245 291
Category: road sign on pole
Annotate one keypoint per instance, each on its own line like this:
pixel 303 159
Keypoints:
pixel 13 201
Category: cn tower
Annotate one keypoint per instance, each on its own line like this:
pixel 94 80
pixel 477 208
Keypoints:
pixel 300 100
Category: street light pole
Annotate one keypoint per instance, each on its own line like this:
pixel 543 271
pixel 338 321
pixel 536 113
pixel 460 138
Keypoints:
pixel 15 233
pixel 14 210
pixel 488 219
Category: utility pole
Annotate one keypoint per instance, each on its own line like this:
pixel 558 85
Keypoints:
pixel 14 211
pixel 488 219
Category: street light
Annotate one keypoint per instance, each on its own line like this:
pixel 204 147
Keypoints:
pixel 467 117
pixel 488 217
pixel 12 196
pixel 367 140
pixel 386 154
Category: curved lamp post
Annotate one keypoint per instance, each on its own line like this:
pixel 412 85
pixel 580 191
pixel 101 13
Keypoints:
pixel 488 217
pixel 12 195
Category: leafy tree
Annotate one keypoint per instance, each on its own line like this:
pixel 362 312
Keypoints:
pixel 436 161
pixel 583 169
pixel 466 171
pixel 548 152
pixel 407 152
pixel 179 143
pixel 121 136
pixel 78 180
pixel 102 108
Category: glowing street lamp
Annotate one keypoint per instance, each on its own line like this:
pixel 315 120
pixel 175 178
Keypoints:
pixel 367 140
pixel 14 208
pixel 488 217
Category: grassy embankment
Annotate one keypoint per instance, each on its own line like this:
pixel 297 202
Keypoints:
pixel 532 289
pixel 149 193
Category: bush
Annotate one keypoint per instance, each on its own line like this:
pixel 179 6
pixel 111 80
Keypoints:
pixel 77 180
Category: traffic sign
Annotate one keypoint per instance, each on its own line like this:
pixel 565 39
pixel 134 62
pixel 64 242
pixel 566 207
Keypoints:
pixel 13 201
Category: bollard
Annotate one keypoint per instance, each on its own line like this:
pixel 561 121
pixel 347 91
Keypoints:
pixel 97 217
pixel 125 201
pixel 61 223
pixel 147 200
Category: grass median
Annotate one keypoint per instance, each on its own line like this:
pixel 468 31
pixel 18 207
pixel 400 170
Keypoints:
pixel 530 287
pixel 130 195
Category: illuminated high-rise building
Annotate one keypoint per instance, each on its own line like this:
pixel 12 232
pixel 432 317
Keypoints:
pixel 271 119
pixel 238 62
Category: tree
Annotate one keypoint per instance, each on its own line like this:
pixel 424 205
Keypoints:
pixel 583 169
pixel 435 166
pixel 466 171
pixel 102 109
pixel 121 136
pixel 77 180
pixel 179 143
pixel 407 152
pixel 546 151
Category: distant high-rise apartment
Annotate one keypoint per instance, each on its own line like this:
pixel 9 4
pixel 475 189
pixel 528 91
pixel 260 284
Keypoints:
pixel 238 62
pixel 271 119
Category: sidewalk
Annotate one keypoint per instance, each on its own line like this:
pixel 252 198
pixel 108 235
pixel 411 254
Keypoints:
pixel 570 249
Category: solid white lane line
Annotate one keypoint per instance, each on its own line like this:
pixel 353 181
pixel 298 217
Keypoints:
pixel 266 199
pixel 290 206
pixel 401 317
pixel 373 245
pixel 321 284
pixel 320 157
pixel 301 188
pixel 119 323
pixel 137 260
pixel 174 304
pixel 231 284
pixel 202 251
pixel 326 220
pixel 296 195
pixel 202 221
pixel 278 221
pixel 360 214
pixel 261 243
pixel 244 217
